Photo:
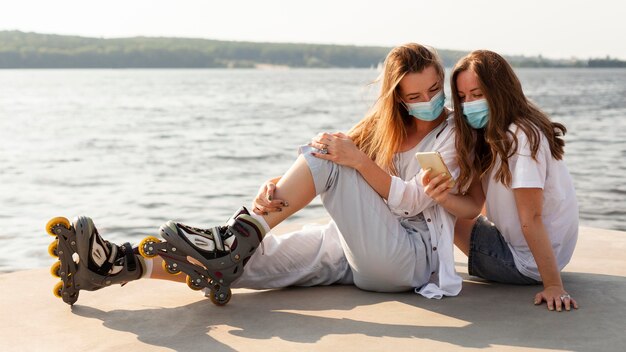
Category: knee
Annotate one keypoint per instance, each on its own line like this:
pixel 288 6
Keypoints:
pixel 324 172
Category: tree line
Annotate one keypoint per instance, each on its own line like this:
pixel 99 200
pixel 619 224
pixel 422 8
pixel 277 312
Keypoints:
pixel 33 50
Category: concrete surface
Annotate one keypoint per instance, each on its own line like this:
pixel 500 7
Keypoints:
pixel 153 315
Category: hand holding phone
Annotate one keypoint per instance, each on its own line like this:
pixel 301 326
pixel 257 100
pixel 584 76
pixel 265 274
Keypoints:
pixel 434 161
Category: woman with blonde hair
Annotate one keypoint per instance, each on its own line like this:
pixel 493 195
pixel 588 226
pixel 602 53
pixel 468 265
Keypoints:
pixel 509 148
pixel 386 234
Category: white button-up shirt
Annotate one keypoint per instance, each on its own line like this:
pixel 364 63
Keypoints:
pixel 407 199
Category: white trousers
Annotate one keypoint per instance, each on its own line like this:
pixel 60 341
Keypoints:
pixel 365 244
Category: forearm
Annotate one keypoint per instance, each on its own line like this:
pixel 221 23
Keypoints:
pixel 376 177
pixel 541 248
pixel 467 205
pixel 462 206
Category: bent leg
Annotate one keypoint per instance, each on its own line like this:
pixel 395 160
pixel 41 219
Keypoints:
pixel 383 255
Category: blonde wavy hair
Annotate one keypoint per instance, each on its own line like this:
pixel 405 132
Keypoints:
pixel 381 133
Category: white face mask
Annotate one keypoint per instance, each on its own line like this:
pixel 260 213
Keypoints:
pixel 429 110
pixel 476 113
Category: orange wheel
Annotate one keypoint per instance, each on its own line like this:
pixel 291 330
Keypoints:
pixel 170 270
pixel 58 289
pixel 143 245
pixel 220 302
pixel 55 269
pixel 52 249
pixel 192 285
pixel 59 220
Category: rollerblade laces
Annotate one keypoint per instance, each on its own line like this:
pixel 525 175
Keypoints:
pixel 86 261
pixel 212 258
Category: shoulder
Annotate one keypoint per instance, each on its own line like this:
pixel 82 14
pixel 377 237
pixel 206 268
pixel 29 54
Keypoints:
pixel 523 140
pixel 522 135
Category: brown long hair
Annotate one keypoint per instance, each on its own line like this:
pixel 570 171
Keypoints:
pixel 481 149
pixel 381 133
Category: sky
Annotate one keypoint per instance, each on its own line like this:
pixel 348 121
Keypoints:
pixel 552 28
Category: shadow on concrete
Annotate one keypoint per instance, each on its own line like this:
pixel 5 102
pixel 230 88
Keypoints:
pixel 491 314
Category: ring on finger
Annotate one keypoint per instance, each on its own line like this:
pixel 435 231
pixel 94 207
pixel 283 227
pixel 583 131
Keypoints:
pixel 324 149
pixel 564 297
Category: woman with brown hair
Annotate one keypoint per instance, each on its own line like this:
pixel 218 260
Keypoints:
pixel 386 235
pixel 510 148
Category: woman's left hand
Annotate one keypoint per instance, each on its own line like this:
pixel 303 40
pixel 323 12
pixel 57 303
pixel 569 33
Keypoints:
pixel 338 148
pixel 556 298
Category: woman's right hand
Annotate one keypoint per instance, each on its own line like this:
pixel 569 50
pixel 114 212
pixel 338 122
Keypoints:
pixel 264 203
pixel 438 188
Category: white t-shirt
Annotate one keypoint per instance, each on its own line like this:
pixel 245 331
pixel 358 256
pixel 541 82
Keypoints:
pixel 560 209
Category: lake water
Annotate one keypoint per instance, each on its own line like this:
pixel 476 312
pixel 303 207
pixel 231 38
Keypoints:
pixel 135 148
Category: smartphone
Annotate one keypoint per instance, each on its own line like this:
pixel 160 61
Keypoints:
pixel 434 161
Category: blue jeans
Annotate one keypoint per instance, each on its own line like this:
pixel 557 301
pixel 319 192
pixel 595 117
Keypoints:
pixel 490 256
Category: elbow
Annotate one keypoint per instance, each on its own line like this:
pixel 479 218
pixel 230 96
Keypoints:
pixel 531 223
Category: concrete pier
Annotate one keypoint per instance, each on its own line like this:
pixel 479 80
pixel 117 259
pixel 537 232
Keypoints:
pixel 154 315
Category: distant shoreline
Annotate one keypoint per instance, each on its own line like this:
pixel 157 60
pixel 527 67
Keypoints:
pixel 25 50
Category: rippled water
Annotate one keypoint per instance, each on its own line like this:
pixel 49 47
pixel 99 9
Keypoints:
pixel 134 148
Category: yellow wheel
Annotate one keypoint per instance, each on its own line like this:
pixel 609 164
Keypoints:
pixel 55 269
pixel 58 289
pixel 144 245
pixel 52 249
pixel 220 301
pixel 172 270
pixel 192 285
pixel 59 220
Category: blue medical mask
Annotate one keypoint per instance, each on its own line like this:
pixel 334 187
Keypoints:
pixel 476 113
pixel 427 111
